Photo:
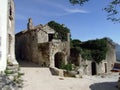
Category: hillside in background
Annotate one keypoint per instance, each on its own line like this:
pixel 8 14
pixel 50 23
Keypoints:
pixel 117 48
pixel 118 52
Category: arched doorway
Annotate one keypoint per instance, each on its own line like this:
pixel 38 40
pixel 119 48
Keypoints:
pixel 93 66
pixel 59 59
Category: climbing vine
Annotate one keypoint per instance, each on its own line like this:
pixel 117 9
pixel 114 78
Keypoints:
pixel 90 50
pixel 61 30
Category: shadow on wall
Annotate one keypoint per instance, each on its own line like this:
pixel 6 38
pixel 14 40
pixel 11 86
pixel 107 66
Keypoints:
pixel 104 86
pixel 27 64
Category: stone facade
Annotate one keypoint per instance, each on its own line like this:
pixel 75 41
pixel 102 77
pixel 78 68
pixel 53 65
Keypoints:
pixel 90 67
pixel 36 44
pixel 7 33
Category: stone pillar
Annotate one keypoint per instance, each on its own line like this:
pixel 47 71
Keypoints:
pixel 11 33
pixel 3 31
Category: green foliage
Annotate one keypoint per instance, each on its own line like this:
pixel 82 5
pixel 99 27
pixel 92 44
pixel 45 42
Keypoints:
pixel 75 51
pixel 98 44
pixel 7 72
pixel 113 10
pixel 75 47
pixel 67 67
pixel 20 74
pixel 18 80
pixel 98 55
pixel 98 49
pixel 61 31
pixel 86 54
pixel 81 2
pixel 90 50
pixel 75 43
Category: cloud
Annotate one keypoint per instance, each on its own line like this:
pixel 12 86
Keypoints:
pixel 48 8
pixel 75 10
pixel 66 10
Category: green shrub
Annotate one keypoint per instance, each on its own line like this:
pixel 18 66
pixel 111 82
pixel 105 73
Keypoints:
pixel 67 67
pixel 8 72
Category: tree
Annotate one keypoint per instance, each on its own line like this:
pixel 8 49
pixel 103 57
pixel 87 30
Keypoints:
pixel 112 9
pixel 75 43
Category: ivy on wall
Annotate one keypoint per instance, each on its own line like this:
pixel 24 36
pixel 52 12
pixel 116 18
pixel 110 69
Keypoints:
pixel 61 30
pixel 90 50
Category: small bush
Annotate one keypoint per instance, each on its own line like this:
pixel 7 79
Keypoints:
pixel 8 72
pixel 67 67
pixel 20 74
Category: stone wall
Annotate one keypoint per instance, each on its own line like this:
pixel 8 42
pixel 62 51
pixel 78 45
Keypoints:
pixel 38 46
pixel 90 67
pixel 110 57
pixel 26 43
pixel 59 47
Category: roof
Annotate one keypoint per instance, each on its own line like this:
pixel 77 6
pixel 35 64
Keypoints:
pixel 44 28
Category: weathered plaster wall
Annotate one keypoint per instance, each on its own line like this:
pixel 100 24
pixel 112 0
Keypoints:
pixel 110 57
pixel 3 31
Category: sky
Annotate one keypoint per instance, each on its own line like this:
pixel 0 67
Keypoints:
pixel 85 22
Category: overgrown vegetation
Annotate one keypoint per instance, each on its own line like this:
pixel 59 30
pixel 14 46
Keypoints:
pixel 7 72
pixel 61 30
pixel 67 67
pixel 90 50
pixel 75 47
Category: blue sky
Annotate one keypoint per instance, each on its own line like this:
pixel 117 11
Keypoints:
pixel 86 22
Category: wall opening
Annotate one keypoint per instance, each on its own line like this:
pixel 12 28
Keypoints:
pixel 59 59
pixel 93 65
pixel 105 67
pixel 50 37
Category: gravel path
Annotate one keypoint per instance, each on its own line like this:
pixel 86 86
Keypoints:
pixel 37 78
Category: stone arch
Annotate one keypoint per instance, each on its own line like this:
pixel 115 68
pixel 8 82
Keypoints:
pixel 59 58
pixel 93 67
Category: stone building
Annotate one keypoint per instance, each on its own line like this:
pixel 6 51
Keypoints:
pixel 7 36
pixel 37 44
pixel 90 67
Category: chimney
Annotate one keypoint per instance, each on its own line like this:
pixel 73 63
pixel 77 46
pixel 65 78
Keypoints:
pixel 30 24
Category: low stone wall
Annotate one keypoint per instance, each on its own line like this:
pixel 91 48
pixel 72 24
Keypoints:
pixel 56 71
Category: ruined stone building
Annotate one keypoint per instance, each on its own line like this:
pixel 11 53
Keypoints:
pixel 37 44
pixel 7 35
pixel 90 67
